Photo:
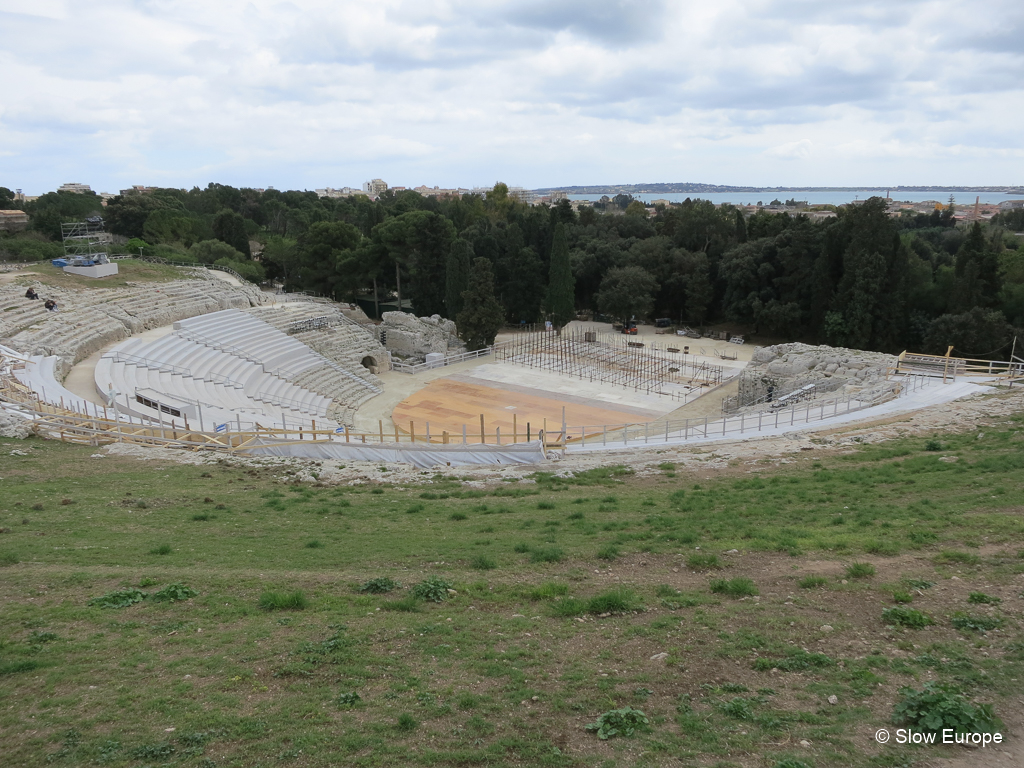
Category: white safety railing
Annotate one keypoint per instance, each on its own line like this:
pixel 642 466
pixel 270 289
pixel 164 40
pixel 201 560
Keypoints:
pixel 448 360
pixel 733 425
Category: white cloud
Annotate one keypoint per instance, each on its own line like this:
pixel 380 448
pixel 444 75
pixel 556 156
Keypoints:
pixel 314 92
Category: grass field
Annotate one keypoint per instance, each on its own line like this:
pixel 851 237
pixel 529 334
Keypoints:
pixel 129 271
pixel 220 615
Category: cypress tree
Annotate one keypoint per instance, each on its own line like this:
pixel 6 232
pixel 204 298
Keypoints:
pixel 456 275
pixel 561 303
pixel 482 316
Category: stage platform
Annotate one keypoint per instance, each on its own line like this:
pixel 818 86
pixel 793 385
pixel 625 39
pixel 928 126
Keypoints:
pixel 449 403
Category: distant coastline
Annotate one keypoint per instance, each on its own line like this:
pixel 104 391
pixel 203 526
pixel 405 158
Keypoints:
pixel 690 188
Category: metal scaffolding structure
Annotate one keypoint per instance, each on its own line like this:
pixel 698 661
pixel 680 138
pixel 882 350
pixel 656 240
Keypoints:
pixel 84 240
pixel 622 361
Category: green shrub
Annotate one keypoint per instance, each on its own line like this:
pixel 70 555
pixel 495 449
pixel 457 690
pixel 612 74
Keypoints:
pixel 738 587
pixel 906 617
pixel 738 707
pixel 163 549
pixel 549 590
pixel 14 667
pixel 379 586
pixel 902 596
pixel 980 598
pixel 576 515
pixel 664 590
pixel 434 589
pixel 203 517
pixel 812 582
pixel 483 563
pixel 120 598
pixel 703 562
pixel 546 555
pixel 406 722
pixel 545 505
pixel 933 445
pixel 618 600
pixel 568 607
pixel 8 558
pixel 608 552
pixel 937 707
pixel 406 605
pixel 955 557
pixel 314 544
pixel 797 660
pixel 348 700
pixel 860 571
pixel 457 516
pixel 619 722
pixel 283 601
pixel 414 508
pixel 173 592
pixel 966 622
pixel 884 548
pixel 521 548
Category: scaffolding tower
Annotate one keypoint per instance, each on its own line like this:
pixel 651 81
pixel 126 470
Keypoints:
pixel 85 242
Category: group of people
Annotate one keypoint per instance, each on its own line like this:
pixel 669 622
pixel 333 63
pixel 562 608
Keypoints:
pixel 50 304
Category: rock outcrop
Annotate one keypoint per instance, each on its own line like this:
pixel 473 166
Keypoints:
pixel 784 368
pixel 412 338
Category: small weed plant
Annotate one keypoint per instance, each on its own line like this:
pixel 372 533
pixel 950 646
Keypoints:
pixel 484 563
pixel 619 722
pixel 120 598
pixel 901 616
pixel 174 592
pixel 348 699
pixel 967 622
pixel 980 598
pixel 434 589
pixel 738 587
pixel 860 571
pixel 937 707
pixel 703 561
pixel 379 586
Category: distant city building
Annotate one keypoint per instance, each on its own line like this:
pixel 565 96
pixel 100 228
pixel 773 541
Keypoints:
pixel 439 192
pixel 139 189
pixel 522 195
pixel 343 192
pixel 1008 205
pixel 13 221
pixel 75 187
pixel 375 187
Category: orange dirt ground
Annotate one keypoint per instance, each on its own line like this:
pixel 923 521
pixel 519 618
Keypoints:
pixel 448 404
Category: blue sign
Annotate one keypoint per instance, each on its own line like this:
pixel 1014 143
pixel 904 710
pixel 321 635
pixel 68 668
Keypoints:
pixel 222 427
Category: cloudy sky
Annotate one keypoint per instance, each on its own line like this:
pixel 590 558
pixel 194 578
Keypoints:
pixel 538 93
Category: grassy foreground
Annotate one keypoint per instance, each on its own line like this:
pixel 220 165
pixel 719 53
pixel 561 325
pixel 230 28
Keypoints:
pixel 160 614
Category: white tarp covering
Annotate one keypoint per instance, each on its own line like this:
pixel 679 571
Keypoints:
pixel 424 456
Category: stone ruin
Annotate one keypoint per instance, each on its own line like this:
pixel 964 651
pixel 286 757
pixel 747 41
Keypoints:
pixel 783 368
pixel 410 339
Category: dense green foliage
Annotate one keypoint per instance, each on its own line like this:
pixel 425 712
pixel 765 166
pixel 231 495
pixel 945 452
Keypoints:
pixel 939 706
pixel 863 279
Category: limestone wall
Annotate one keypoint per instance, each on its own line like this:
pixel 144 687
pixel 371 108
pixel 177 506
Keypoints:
pixel 411 338
pixel 784 368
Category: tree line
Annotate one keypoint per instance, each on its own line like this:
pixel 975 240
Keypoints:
pixel 862 279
